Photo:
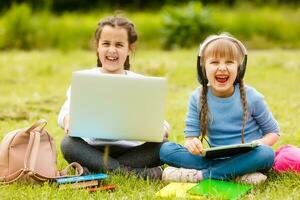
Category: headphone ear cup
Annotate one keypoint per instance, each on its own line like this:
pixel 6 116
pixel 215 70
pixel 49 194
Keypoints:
pixel 243 67
pixel 241 70
pixel 201 78
pixel 238 75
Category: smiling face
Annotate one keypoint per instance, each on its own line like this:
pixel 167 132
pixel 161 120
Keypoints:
pixel 221 60
pixel 113 49
pixel 221 74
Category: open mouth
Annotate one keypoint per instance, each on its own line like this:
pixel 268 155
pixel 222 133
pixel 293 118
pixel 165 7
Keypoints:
pixel 112 59
pixel 222 78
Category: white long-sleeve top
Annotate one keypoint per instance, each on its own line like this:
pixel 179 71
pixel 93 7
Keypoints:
pixel 65 109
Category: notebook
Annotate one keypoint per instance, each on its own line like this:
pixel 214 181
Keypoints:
pixel 220 189
pixel 75 179
pixel 228 150
pixel 83 184
pixel 177 190
pixel 117 107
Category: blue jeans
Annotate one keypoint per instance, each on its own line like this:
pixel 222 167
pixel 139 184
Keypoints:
pixel 258 159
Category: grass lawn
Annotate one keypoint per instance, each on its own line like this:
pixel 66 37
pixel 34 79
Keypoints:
pixel 33 86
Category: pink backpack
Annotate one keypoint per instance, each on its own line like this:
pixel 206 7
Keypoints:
pixel 29 154
pixel 287 158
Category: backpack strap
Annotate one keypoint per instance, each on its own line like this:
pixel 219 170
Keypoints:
pixel 32 150
pixel 63 173
pixel 77 166
pixel 33 144
pixel 38 123
pixel 11 177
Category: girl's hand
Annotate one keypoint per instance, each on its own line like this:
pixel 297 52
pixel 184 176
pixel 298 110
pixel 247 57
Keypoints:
pixel 166 135
pixel 66 124
pixel 194 145
pixel 166 130
pixel 259 141
pixel 268 139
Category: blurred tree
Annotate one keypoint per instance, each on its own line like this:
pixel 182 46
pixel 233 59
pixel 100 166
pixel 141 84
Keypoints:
pixel 69 5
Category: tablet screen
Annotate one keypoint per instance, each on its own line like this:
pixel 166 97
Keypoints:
pixel 228 150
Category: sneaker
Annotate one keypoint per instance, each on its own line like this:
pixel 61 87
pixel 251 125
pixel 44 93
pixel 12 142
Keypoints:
pixel 173 174
pixel 153 173
pixel 252 178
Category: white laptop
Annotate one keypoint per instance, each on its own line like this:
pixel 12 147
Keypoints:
pixel 120 107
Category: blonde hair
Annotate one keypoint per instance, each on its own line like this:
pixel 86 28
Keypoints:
pixel 221 47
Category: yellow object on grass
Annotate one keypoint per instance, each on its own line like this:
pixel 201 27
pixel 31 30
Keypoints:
pixel 177 190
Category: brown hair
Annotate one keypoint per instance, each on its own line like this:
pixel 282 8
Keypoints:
pixel 120 22
pixel 222 48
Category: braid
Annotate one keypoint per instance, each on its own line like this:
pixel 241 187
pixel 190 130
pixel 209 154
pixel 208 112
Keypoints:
pixel 203 112
pixel 244 103
pixel 99 64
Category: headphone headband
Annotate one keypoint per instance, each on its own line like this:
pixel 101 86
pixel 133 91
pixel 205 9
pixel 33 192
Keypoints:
pixel 213 38
pixel 241 68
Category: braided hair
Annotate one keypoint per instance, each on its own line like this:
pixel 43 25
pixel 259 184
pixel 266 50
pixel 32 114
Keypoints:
pixel 222 48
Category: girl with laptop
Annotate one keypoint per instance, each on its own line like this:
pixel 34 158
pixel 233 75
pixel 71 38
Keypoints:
pixel 115 38
pixel 227 112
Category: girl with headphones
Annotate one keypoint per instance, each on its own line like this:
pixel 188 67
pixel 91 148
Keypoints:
pixel 227 112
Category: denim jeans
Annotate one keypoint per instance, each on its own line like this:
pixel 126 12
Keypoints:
pixel 258 159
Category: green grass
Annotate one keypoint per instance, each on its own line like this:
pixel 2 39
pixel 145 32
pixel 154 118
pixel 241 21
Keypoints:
pixel 33 86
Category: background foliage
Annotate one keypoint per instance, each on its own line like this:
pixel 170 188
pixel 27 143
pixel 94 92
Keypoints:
pixel 22 27
pixel 71 5
pixel 186 26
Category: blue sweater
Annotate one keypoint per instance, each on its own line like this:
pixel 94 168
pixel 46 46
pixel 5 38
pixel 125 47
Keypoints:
pixel 226 115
